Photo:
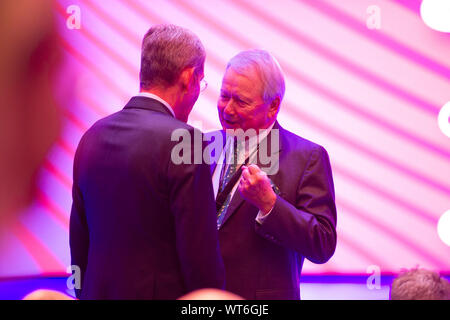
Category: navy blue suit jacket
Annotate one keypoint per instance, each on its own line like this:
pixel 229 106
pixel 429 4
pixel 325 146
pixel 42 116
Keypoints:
pixel 141 227
pixel 265 261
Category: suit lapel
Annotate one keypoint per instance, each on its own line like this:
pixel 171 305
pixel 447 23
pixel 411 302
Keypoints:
pixel 212 167
pixel 235 203
pixel 208 136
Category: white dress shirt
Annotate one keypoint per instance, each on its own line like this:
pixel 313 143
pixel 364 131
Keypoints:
pixel 250 151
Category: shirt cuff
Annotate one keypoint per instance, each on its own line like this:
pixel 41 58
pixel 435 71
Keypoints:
pixel 261 216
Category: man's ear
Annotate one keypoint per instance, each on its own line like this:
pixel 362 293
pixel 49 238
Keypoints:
pixel 274 107
pixel 186 77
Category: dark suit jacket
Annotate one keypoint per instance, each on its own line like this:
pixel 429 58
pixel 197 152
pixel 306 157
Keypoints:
pixel 141 227
pixel 264 261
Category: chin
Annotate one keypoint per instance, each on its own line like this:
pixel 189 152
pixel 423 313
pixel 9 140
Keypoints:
pixel 229 126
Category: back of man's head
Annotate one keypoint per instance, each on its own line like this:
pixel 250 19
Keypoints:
pixel 420 284
pixel 166 51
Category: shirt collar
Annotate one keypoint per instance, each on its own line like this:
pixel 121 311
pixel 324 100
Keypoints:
pixel 262 134
pixel 154 96
pixel 252 143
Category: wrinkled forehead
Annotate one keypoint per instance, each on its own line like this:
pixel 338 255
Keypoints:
pixel 245 79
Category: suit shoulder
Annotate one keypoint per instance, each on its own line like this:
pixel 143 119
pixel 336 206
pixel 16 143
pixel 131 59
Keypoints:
pixel 296 142
pixel 150 122
pixel 97 126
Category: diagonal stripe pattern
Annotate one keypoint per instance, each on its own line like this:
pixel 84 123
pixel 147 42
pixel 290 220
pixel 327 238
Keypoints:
pixel 370 97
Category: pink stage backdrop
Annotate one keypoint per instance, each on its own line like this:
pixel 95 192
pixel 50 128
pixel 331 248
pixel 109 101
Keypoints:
pixel 371 96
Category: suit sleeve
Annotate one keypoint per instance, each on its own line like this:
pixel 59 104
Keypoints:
pixel 78 231
pixel 193 206
pixel 308 226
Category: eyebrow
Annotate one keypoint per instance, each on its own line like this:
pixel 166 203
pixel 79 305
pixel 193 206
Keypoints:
pixel 235 96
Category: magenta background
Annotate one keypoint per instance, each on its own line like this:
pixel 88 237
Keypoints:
pixel 370 97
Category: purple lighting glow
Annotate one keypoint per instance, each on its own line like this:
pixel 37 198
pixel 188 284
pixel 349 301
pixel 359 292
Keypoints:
pixel 371 97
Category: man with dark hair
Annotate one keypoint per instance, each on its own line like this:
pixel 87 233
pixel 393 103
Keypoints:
pixel 143 227
pixel 420 284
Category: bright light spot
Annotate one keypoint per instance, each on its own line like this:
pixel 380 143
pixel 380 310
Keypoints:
pixel 436 14
pixel 443 117
pixel 443 227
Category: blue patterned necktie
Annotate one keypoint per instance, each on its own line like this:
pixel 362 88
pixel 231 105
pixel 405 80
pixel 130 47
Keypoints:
pixel 226 177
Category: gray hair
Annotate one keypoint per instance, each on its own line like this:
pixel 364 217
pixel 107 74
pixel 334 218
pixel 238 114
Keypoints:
pixel 268 69
pixel 166 51
pixel 420 284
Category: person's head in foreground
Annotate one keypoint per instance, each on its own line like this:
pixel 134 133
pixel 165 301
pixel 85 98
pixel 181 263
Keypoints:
pixel 210 294
pixel 420 284
pixel 30 117
pixel 172 63
pixel 45 294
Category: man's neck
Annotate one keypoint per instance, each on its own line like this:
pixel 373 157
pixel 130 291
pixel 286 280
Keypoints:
pixel 168 95
pixel 160 97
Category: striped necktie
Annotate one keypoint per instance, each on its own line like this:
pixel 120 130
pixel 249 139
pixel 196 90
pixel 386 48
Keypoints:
pixel 225 178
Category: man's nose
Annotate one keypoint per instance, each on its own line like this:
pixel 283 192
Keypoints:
pixel 229 108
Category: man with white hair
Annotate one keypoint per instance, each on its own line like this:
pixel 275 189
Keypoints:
pixel 142 226
pixel 274 190
pixel 420 284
